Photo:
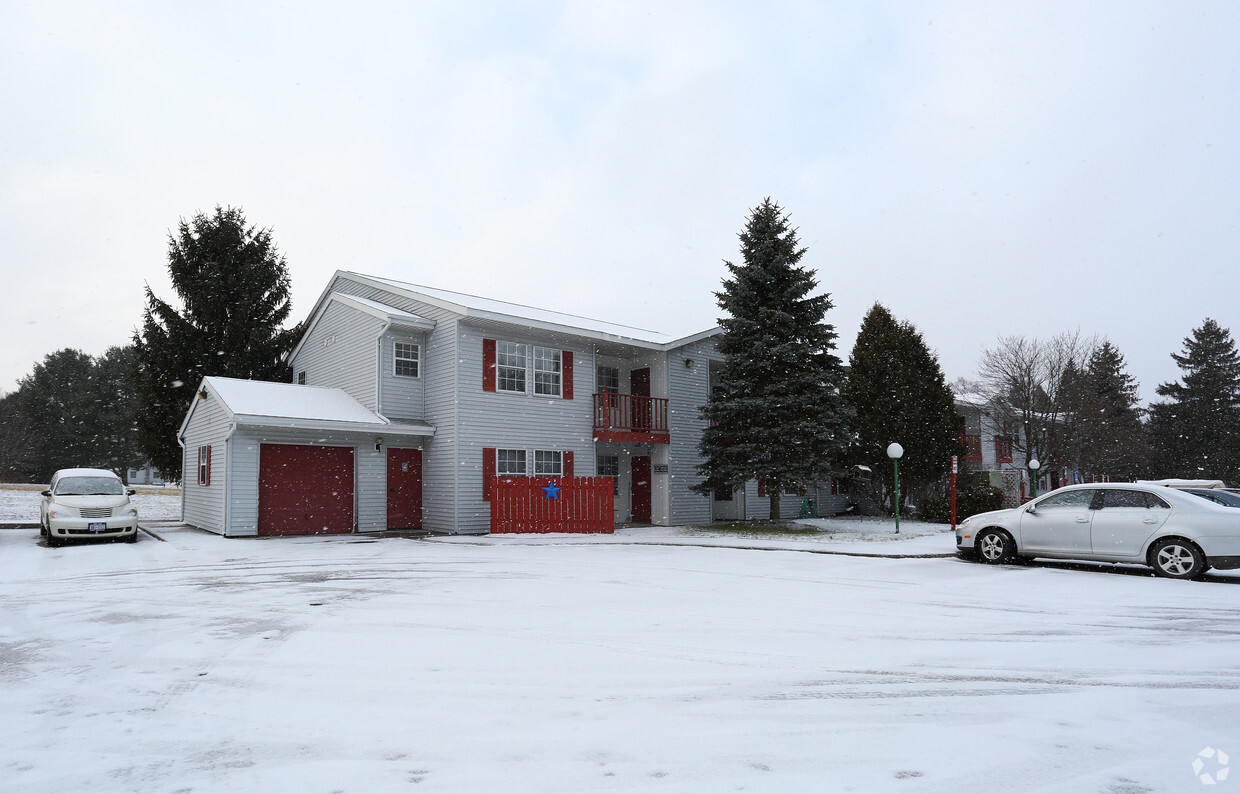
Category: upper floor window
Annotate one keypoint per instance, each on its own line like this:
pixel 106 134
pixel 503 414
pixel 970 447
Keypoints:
pixel 510 366
pixel 608 380
pixel 547 371
pixel 406 360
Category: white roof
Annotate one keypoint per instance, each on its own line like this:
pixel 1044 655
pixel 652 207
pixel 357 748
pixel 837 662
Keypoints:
pixel 1184 483
pixel 489 308
pixel 256 402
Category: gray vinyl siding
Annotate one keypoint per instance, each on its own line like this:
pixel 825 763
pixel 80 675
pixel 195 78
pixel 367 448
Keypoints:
pixel 401 397
pixel 370 474
pixel 439 386
pixel 342 352
pixel 760 507
pixel 688 390
pixel 203 505
pixel 517 421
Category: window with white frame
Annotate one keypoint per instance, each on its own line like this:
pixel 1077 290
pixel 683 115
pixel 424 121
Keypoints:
pixel 406 360
pixel 204 465
pixel 510 462
pixel 301 378
pixel 548 463
pixel 547 371
pixel 510 366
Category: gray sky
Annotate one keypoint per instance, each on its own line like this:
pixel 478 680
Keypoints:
pixel 980 168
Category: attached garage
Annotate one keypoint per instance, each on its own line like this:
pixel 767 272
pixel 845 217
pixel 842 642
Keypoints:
pixel 285 459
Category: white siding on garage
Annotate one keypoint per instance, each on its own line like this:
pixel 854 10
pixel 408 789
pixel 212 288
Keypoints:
pixel 203 505
pixel 341 352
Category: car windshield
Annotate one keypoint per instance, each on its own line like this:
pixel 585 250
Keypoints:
pixel 90 486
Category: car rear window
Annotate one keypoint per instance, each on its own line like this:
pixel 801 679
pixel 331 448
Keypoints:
pixel 90 486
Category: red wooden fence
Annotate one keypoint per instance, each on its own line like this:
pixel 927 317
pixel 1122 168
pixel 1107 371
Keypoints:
pixel 552 504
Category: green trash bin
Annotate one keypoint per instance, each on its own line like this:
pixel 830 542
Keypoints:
pixel 808 508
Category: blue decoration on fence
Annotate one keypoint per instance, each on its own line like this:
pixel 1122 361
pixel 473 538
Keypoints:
pixel 553 491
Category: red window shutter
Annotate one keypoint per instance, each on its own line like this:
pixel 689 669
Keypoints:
pixel 488 373
pixel 761 487
pixel 566 364
pixel 568 463
pixel 208 478
pixel 488 471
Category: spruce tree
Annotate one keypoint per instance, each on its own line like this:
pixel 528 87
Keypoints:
pixel 1197 429
pixel 776 411
pixel 1104 414
pixel 897 392
pixel 233 286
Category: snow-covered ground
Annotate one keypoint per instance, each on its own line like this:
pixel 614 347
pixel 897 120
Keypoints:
pixel 601 663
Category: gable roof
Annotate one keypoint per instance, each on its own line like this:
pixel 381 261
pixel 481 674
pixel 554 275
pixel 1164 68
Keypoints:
pixel 268 404
pixel 474 306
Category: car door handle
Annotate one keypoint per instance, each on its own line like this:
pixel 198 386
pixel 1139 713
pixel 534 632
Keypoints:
pixel 1150 520
pixel 1084 520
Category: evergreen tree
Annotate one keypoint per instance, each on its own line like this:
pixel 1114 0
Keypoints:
pixel 1104 417
pixel 1197 430
pixel 897 392
pixel 72 410
pixel 776 412
pixel 233 285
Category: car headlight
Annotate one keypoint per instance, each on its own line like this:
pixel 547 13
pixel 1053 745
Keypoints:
pixel 133 511
pixel 966 521
pixel 53 514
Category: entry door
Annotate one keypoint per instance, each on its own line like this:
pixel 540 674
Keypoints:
pixel 641 489
pixel 404 484
pixel 639 386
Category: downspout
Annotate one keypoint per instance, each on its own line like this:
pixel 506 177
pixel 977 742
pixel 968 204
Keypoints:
pixel 379 372
pixel 228 464
pixel 181 444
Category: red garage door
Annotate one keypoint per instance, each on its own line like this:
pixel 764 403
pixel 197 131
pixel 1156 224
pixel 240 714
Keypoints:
pixel 304 490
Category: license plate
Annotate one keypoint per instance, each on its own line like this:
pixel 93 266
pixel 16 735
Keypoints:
pixel 98 526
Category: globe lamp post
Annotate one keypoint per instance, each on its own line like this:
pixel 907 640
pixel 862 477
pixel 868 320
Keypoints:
pixel 1033 478
pixel 895 452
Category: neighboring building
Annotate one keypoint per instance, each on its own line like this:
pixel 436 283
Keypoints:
pixel 401 389
pixel 989 449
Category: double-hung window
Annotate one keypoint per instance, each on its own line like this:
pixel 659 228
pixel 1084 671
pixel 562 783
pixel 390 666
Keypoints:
pixel 547 371
pixel 548 463
pixel 405 360
pixel 510 365
pixel 510 462
pixel 204 465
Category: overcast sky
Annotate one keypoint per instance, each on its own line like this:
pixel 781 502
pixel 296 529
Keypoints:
pixel 979 168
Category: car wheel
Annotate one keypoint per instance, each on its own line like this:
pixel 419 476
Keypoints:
pixel 1177 559
pixel 132 538
pixel 52 540
pixel 995 546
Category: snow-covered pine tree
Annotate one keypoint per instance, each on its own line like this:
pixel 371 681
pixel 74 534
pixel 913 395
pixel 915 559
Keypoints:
pixel 234 286
pixel 1197 429
pixel 775 412
pixel 897 392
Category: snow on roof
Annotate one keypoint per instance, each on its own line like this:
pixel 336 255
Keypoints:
pixel 1173 483
pixel 477 306
pixel 290 401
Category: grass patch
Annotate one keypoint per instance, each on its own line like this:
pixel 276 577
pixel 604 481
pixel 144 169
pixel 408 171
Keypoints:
pixel 758 529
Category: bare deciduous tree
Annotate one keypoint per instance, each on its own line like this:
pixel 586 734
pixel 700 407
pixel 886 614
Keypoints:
pixel 1025 381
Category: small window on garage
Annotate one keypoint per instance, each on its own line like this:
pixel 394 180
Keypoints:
pixel 406 361
pixel 301 378
pixel 204 465
pixel 609 466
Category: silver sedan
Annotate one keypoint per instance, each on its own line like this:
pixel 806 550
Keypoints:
pixel 1178 534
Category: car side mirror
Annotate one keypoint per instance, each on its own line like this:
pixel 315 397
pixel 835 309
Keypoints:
pixel 130 492
pixel 46 493
pixel 1032 508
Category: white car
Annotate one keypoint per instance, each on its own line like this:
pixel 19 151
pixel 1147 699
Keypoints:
pixel 87 503
pixel 1178 534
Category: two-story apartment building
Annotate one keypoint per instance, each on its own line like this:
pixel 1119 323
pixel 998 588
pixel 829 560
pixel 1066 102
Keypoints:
pixel 407 401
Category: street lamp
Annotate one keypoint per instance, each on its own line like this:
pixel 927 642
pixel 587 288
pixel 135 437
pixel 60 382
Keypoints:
pixel 1033 476
pixel 895 451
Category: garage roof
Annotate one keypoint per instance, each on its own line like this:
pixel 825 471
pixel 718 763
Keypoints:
pixel 255 402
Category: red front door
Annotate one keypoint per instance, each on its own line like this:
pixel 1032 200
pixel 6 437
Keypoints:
pixel 641 489
pixel 304 490
pixel 404 485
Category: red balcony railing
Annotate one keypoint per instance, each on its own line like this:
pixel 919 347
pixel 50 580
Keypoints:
pixel 627 417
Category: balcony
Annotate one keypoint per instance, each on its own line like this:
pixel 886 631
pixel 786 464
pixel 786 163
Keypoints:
pixel 630 419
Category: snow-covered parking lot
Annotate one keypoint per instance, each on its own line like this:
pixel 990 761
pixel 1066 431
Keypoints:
pixel 601 663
